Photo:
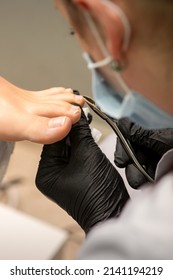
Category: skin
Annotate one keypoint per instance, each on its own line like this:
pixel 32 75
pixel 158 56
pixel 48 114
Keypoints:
pixel 41 117
pixel 47 116
pixel 147 61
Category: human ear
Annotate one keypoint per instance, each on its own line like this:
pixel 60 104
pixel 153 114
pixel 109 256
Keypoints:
pixel 114 31
pixel 113 24
pixel 85 4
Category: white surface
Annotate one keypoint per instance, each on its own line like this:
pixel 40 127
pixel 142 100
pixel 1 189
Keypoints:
pixel 24 237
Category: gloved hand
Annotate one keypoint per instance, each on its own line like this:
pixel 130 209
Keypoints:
pixel 76 175
pixel 149 147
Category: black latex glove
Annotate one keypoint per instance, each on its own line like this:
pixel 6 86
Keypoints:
pixel 149 147
pixel 79 178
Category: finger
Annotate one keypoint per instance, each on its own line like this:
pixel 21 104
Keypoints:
pixel 46 131
pixel 56 110
pixel 54 95
pixel 54 159
pixel 124 125
pixel 80 131
pixel 121 158
pixel 56 151
pixel 135 178
pixel 132 131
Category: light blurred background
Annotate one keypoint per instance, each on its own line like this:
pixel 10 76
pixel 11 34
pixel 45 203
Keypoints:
pixel 38 52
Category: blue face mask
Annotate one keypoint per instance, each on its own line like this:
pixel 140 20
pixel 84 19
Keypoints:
pixel 133 105
pixel 123 102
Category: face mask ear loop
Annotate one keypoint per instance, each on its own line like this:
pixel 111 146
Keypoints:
pixel 108 59
pixel 127 30
pixel 124 88
pixel 120 13
pixel 99 64
pixel 127 33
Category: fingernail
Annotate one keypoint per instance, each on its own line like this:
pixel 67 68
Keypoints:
pixel 78 97
pixel 75 109
pixel 56 122
pixel 69 90
pixel 75 91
